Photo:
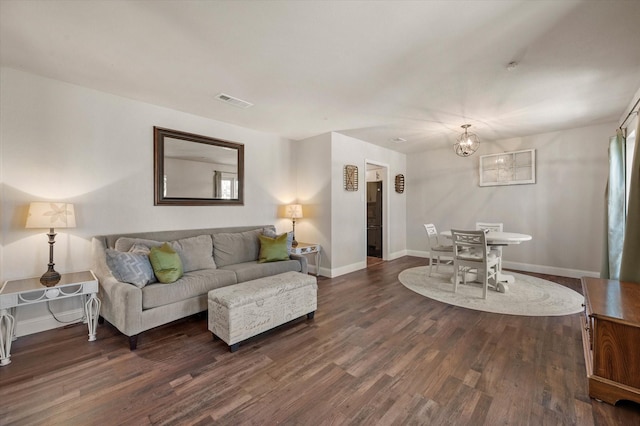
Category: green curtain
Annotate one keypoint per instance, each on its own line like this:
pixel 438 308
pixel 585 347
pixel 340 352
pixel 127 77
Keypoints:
pixel 630 265
pixel 615 201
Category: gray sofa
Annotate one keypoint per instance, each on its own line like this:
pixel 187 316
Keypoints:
pixel 231 257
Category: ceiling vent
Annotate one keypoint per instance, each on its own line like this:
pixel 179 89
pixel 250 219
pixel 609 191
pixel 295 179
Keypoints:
pixel 223 97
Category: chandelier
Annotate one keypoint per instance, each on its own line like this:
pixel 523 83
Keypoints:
pixel 467 143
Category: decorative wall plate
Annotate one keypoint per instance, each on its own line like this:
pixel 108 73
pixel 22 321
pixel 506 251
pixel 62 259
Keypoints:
pixel 350 177
pixel 400 183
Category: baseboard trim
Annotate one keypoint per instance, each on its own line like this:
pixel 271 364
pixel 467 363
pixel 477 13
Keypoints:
pixel 397 255
pixel 526 267
pixel 550 270
pixel 332 273
pixel 347 269
pixel 44 323
pixel 417 253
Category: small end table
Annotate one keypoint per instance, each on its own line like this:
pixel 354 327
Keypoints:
pixel 309 248
pixel 28 291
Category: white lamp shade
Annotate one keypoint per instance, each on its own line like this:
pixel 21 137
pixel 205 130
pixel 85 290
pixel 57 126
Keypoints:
pixel 294 211
pixel 51 215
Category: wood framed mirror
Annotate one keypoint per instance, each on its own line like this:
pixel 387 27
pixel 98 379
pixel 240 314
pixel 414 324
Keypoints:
pixel 194 170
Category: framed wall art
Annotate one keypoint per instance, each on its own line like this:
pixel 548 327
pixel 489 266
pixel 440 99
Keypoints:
pixel 350 177
pixel 508 168
pixel 399 183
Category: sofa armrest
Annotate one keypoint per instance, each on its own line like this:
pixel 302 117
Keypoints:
pixel 121 302
pixel 304 265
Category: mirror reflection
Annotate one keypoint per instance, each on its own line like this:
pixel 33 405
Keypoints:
pixel 197 170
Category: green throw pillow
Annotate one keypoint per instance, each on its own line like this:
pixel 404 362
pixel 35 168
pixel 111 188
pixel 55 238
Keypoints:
pixel 166 263
pixel 273 249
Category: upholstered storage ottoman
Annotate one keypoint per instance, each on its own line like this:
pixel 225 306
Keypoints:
pixel 244 310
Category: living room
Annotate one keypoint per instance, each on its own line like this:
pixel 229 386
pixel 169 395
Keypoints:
pixel 67 137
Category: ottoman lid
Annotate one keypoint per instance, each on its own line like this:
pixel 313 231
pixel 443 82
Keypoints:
pixel 263 288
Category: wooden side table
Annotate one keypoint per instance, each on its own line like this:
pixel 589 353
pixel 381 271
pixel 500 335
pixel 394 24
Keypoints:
pixel 611 337
pixel 309 248
pixel 29 291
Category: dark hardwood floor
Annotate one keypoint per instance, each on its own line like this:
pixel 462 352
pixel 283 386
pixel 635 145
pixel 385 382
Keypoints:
pixel 373 261
pixel 376 353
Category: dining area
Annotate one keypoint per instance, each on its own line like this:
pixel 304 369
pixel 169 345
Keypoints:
pixel 476 254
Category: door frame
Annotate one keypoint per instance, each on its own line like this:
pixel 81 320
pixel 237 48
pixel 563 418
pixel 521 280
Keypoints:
pixel 385 205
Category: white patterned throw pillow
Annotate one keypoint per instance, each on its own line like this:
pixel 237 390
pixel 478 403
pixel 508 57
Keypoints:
pixel 133 268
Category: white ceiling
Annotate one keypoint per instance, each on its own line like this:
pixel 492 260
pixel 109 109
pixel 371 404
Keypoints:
pixel 375 70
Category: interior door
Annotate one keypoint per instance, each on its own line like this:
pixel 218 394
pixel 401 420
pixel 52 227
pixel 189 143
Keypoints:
pixel 374 219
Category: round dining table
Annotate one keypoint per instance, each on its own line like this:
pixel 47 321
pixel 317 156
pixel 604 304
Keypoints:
pixel 499 239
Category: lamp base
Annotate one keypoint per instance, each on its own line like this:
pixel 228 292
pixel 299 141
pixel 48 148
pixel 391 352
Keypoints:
pixel 50 278
pixel 294 243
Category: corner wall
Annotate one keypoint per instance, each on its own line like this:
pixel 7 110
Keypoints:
pixel 337 218
pixel 563 210
pixel 348 215
pixel 312 159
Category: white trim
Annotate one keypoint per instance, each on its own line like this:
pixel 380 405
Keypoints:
pixel 550 270
pixel 332 273
pixel 397 254
pixel 418 253
pixel 526 267
pixel 47 322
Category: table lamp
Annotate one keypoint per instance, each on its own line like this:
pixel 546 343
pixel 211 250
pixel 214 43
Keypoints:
pixel 294 211
pixel 51 215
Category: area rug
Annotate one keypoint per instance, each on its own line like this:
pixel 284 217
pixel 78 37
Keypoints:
pixel 527 296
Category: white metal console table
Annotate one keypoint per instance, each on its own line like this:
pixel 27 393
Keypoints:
pixel 309 248
pixel 28 291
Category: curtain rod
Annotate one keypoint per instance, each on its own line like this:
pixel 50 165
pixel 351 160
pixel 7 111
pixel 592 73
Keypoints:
pixel 630 112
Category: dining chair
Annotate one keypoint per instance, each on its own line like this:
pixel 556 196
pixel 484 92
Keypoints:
pixel 490 226
pixel 470 252
pixel 436 249
pixel 495 227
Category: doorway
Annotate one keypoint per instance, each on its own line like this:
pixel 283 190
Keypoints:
pixel 374 219
pixel 375 211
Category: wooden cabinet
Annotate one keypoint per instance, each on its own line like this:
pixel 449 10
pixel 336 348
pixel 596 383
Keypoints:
pixel 611 339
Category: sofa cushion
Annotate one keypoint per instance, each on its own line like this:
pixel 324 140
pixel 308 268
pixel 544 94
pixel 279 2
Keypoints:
pixel 195 252
pixel 133 268
pixel 126 243
pixel 273 249
pixel 141 249
pixel 192 284
pixel 248 271
pixel 236 247
pixel 166 263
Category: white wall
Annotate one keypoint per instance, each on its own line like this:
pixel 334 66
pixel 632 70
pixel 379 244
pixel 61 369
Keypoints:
pixel 337 218
pixel 312 159
pixel 65 142
pixel 348 215
pixel 563 210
